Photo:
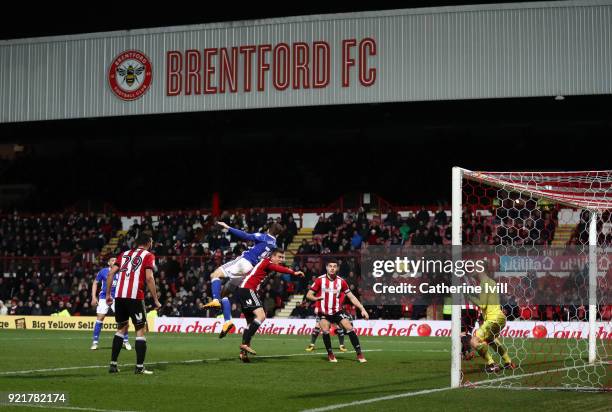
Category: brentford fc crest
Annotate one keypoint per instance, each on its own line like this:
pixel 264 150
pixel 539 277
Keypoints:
pixel 129 75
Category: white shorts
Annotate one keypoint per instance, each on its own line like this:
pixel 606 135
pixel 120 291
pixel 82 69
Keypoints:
pixel 102 308
pixel 236 268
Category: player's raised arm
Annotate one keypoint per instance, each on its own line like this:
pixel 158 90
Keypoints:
pixel 283 269
pixel 239 233
pixel 357 304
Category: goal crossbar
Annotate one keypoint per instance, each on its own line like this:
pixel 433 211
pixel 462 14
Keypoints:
pixel 590 190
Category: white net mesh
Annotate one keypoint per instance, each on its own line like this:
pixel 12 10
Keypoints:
pixel 537 214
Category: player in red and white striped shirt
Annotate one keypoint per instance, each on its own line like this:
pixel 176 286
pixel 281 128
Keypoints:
pixel 249 300
pixel 134 268
pixel 133 265
pixel 327 291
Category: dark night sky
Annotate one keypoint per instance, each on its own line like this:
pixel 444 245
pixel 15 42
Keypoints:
pixel 74 18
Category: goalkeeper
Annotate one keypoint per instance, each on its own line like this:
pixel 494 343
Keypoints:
pixel 494 321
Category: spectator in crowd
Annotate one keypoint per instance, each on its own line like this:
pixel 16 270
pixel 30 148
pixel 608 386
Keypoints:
pixel 323 226
pixel 362 217
pixel 261 219
pixel 36 310
pixel 337 218
pixel 440 217
pixel 304 248
pixel 423 216
pixel 303 310
pixel 392 219
pixel 291 227
pixel 356 241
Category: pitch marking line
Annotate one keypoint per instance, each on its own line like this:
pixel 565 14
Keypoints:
pixel 70 368
pixel 380 399
pixel 434 390
pixel 524 375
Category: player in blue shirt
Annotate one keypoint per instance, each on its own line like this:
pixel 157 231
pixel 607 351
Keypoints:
pixel 100 303
pixel 236 269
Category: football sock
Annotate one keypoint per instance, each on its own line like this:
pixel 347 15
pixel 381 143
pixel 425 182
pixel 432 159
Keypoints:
pixel 141 350
pixel 327 342
pixel 354 340
pixel 97 330
pixel 227 309
pixel 314 335
pixel 250 332
pixel 215 285
pixel 117 344
pixel 340 333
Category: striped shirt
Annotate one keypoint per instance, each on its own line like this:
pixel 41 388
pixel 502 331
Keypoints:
pixel 132 268
pixel 332 291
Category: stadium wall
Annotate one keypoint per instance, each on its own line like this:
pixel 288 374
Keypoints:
pixel 58 323
pixel 482 51
pixel 522 329
pixel 424 328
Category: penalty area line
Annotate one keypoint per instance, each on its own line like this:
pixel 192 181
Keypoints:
pixel 525 375
pixel 380 399
pixel 435 390
pixel 70 368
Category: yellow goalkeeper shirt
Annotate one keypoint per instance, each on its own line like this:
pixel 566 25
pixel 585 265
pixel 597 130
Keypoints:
pixel 489 300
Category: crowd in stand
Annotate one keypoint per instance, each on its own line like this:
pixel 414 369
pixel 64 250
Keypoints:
pixel 55 234
pixel 189 246
pixel 49 262
pixel 46 261
pixel 345 233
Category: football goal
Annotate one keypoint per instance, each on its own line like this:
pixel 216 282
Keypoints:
pixel 549 236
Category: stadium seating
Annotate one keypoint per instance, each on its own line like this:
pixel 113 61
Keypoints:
pixel 49 261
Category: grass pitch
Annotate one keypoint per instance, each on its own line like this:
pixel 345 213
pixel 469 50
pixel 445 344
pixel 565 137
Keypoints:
pixel 203 373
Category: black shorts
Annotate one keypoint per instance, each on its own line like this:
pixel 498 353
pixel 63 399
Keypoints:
pixel 468 320
pixel 230 286
pixel 126 309
pixel 249 301
pixel 336 317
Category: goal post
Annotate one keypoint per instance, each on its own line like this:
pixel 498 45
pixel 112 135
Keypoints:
pixel 592 286
pixel 456 308
pixel 524 211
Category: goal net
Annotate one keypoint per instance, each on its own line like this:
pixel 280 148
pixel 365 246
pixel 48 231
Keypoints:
pixel 549 235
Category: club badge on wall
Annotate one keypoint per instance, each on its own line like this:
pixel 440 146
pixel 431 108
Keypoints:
pixel 130 75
